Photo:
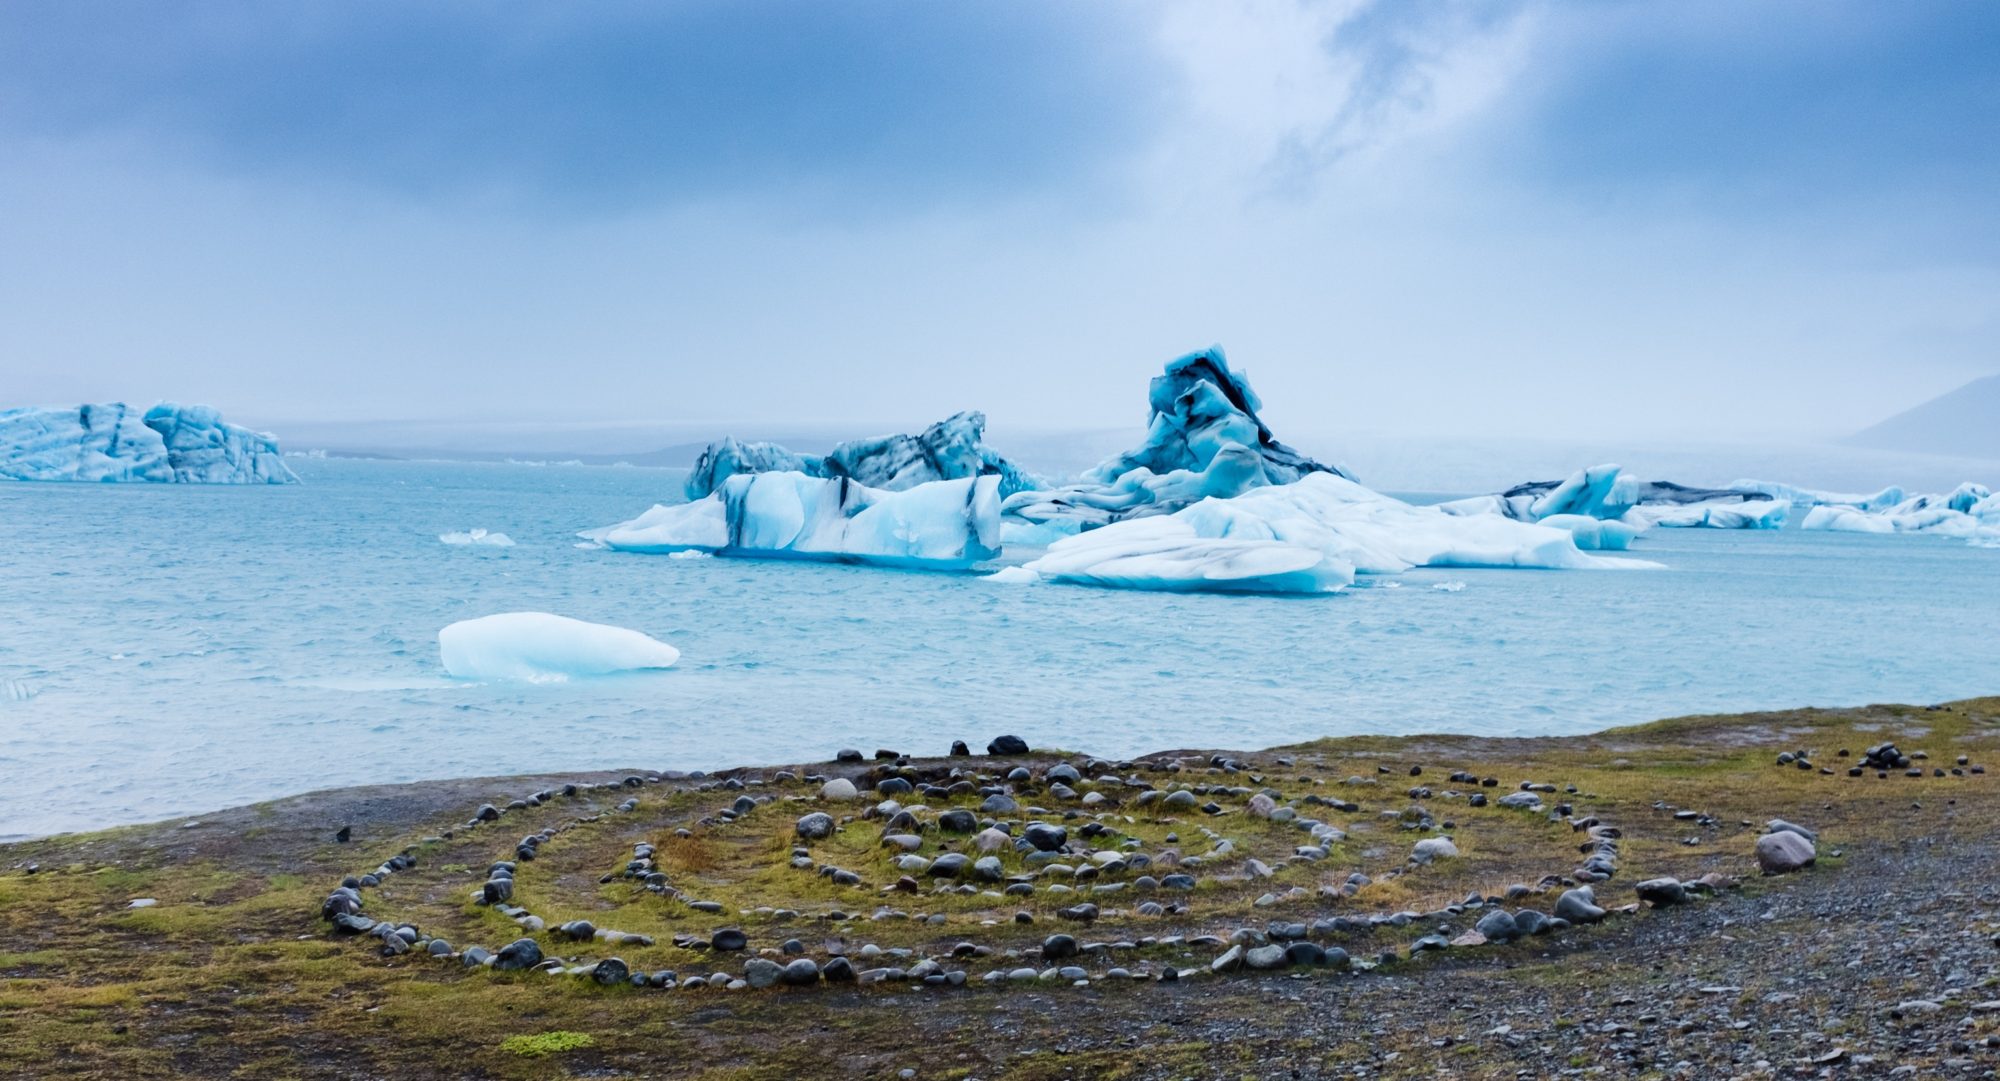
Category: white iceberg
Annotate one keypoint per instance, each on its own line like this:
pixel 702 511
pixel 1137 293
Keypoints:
pixel 942 524
pixel 1970 512
pixel 1596 534
pixel 951 449
pixel 111 442
pixel 478 538
pixel 1310 536
pixel 538 647
pixel 1204 441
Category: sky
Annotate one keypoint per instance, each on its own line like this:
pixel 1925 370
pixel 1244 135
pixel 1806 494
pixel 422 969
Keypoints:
pixel 1713 219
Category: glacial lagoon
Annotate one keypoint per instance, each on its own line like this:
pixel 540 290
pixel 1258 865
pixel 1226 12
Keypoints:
pixel 166 650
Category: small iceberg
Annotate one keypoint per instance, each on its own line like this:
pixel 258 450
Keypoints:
pixel 478 537
pixel 1970 512
pixel 538 647
pixel 1605 493
pixel 943 524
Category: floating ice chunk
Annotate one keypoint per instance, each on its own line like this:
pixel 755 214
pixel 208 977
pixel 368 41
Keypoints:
pixel 538 647
pixel 691 553
pixel 1811 497
pixel 1596 534
pixel 1310 536
pixel 942 524
pixel 1750 514
pixel 1448 587
pixel 1014 576
pixel 1604 492
pixel 951 449
pixel 1968 511
pixel 478 537
pixel 112 442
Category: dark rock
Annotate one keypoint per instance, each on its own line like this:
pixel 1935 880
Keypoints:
pixel 519 954
pixel 1007 745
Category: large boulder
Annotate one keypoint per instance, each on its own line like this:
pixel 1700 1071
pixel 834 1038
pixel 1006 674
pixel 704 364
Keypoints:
pixel 1784 851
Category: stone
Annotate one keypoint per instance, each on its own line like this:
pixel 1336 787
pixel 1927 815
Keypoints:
pixel 610 972
pixel 758 972
pixel 950 865
pixel 1783 852
pixel 958 821
pixel 997 804
pixel 518 954
pixel 729 939
pixel 991 840
pixel 1004 745
pixel 1265 958
pixel 839 789
pixel 1305 954
pixel 1498 926
pixel 1180 800
pixel 1520 801
pixel 1230 961
pixel 1661 892
pixel 1579 906
pixel 988 869
pixel 838 970
pixel 1779 825
pixel 1433 848
pixel 817 826
pixel 1046 838
pixel 800 973
pixel 1058 947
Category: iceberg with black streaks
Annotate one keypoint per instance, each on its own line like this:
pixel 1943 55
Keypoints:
pixel 942 524
pixel 951 449
pixel 1204 440
pixel 1607 493
pixel 112 442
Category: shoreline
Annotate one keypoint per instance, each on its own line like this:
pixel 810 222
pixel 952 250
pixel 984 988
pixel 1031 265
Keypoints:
pixel 1313 937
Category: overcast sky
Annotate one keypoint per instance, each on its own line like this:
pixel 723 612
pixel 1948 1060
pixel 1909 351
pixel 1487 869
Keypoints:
pixel 1721 218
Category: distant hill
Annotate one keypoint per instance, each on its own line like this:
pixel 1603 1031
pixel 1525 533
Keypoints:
pixel 1964 423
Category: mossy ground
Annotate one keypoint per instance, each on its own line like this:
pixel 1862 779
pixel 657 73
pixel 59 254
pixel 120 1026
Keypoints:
pixel 232 973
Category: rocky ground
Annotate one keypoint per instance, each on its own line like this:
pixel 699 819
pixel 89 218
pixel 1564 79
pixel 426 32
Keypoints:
pixel 1375 907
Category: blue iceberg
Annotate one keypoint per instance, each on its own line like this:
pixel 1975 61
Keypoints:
pixel 951 449
pixel 1204 441
pixel 1606 493
pixel 111 442
pixel 1970 512
pixel 939 525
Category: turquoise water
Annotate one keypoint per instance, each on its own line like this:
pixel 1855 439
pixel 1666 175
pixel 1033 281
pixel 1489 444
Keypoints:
pixel 169 650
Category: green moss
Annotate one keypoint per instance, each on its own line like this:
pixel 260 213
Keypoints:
pixel 546 1043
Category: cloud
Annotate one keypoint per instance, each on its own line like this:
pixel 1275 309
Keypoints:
pixel 604 105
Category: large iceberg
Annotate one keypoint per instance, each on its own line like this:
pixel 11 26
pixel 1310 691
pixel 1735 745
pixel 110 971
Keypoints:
pixel 538 647
pixel 1204 441
pixel 941 524
pixel 951 449
pixel 1606 493
pixel 111 442
pixel 1970 511
pixel 1310 536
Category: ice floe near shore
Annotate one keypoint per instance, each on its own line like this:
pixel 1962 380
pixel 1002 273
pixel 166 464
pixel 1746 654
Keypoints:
pixel 951 449
pixel 941 524
pixel 539 647
pixel 1310 536
pixel 112 442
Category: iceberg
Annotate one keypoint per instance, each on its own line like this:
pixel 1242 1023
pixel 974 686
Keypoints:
pixel 111 442
pixel 538 647
pixel 1606 493
pixel 937 525
pixel 1204 441
pixel 951 449
pixel 1970 512
pixel 478 538
pixel 1313 535
pixel 1811 497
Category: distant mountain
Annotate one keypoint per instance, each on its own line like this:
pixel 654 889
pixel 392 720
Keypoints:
pixel 1964 423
